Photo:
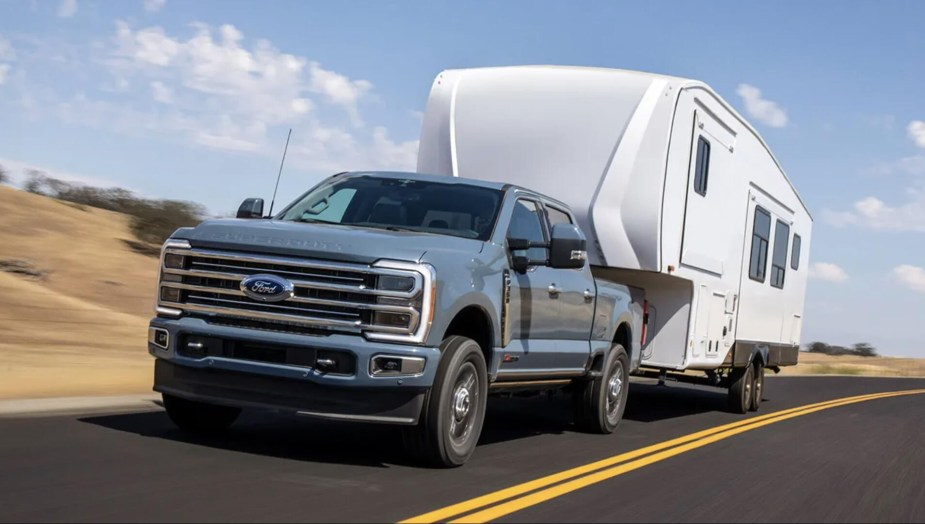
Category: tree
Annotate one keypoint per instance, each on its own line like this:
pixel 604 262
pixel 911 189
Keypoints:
pixel 865 350
pixel 4 177
pixel 818 347
pixel 35 181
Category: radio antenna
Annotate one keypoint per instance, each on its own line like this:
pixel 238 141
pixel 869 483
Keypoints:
pixel 273 201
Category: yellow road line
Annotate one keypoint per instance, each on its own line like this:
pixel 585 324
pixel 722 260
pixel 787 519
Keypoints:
pixel 651 454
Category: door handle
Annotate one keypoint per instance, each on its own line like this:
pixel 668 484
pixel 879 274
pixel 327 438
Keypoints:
pixel 553 291
pixel 589 296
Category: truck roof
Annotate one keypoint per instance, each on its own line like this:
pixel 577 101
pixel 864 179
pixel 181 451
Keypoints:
pixel 443 179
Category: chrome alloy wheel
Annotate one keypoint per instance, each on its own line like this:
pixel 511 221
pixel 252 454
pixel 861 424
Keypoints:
pixel 464 405
pixel 614 392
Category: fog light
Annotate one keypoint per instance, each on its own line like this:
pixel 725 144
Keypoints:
pixel 384 318
pixel 159 337
pixel 170 294
pixel 390 365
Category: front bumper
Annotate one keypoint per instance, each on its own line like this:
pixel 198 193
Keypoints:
pixel 299 388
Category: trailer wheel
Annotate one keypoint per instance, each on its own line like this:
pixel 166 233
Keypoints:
pixel 740 391
pixel 454 409
pixel 199 417
pixel 758 387
pixel 599 403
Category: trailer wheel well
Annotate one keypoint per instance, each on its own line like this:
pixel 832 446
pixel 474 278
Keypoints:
pixel 473 322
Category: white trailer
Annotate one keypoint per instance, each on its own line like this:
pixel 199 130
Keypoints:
pixel 677 193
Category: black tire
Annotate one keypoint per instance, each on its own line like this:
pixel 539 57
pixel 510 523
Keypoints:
pixel 600 403
pixel 740 391
pixel 757 386
pixel 454 408
pixel 199 417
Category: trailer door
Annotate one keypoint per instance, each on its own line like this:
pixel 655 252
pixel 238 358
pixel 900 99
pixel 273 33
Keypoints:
pixel 708 232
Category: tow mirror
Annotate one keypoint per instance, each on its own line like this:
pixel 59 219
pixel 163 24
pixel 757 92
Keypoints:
pixel 568 247
pixel 520 264
pixel 251 208
pixel 518 244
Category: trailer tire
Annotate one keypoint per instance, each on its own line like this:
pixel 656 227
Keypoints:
pixel 454 408
pixel 740 391
pixel 757 386
pixel 600 403
pixel 199 417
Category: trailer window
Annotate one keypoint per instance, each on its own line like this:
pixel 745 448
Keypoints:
pixel 702 173
pixel 795 254
pixel 779 260
pixel 761 232
pixel 557 216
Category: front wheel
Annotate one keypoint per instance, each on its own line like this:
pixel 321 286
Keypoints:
pixel 199 417
pixel 454 409
pixel 600 403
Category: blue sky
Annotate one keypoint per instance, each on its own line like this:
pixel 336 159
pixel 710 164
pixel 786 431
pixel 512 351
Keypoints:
pixel 193 100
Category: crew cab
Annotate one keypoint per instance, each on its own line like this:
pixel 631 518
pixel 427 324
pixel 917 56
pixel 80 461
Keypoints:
pixel 396 298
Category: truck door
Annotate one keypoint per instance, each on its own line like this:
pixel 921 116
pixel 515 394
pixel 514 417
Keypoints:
pixel 576 290
pixel 534 305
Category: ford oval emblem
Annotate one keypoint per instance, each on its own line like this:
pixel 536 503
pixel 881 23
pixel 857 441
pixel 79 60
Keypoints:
pixel 267 288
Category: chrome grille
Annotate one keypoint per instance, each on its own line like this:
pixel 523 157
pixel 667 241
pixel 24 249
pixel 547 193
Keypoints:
pixel 327 295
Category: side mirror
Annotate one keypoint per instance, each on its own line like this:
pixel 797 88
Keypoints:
pixel 568 247
pixel 251 208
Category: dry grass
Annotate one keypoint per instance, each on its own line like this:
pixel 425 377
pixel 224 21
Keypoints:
pixel 816 363
pixel 80 329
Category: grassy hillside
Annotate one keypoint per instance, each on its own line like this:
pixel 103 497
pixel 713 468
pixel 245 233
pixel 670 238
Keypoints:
pixel 80 328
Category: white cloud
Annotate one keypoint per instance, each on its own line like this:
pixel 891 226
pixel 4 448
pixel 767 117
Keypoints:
pixel 827 272
pixel 873 213
pixel 161 93
pixel 916 130
pixel 765 111
pixel 6 50
pixel 338 89
pixel 4 69
pixel 67 8
pixel 910 165
pixel 153 6
pixel 912 276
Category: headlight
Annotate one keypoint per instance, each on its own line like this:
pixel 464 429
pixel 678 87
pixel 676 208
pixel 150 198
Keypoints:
pixel 395 283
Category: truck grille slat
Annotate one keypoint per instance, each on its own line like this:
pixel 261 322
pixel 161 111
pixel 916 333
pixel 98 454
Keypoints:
pixel 340 297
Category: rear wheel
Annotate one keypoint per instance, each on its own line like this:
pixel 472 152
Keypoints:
pixel 758 388
pixel 599 403
pixel 199 417
pixel 454 410
pixel 740 391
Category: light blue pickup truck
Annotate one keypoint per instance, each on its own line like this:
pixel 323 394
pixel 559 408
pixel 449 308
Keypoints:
pixel 396 298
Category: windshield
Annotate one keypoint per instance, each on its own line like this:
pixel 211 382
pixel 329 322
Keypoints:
pixel 400 204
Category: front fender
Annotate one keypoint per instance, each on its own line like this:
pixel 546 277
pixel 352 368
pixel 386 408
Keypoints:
pixel 464 281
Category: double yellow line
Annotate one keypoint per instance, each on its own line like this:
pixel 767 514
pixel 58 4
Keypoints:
pixel 515 498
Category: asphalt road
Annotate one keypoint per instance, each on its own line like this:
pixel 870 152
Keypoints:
pixel 863 462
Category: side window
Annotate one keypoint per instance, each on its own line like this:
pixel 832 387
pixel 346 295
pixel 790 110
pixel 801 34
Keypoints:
pixel 779 260
pixel 761 232
pixel 795 254
pixel 557 216
pixel 526 223
pixel 702 167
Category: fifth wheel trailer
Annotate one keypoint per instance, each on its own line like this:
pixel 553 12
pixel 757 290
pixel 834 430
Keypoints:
pixel 677 192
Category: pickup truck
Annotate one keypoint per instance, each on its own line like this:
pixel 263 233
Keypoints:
pixel 396 298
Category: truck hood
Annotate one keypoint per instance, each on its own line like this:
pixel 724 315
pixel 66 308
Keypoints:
pixel 321 241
